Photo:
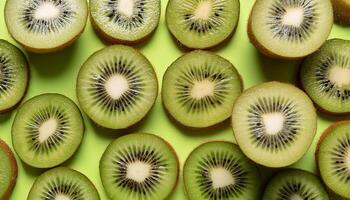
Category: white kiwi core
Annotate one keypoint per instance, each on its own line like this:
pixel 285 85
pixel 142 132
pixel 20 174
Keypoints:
pixel 202 89
pixel 126 7
pixel 340 76
pixel 47 129
pixel 293 17
pixel 46 10
pixel 221 177
pixel 203 10
pixel 296 197
pixel 138 171
pixel 116 85
pixel 62 197
pixel 273 122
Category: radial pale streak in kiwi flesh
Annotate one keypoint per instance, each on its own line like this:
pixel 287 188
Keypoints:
pixel 125 21
pixel 199 89
pixel 274 123
pixel 13 76
pixel 290 28
pixel 139 166
pixel 45 25
pixel 62 183
pixel 117 86
pixel 201 24
pixel 8 171
pixel 220 171
pixel 325 76
pixel 47 130
pixel 333 158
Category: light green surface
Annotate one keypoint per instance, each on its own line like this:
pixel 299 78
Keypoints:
pixel 57 72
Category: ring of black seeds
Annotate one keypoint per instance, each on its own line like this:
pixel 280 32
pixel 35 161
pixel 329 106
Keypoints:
pixel 339 155
pixel 294 187
pixel 59 186
pixel 6 75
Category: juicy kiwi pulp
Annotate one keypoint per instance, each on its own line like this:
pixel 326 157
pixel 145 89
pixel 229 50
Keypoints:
pixel 325 76
pixel 293 184
pixel 301 25
pixel 219 170
pixel 62 183
pixel 201 24
pixel 117 86
pixel 45 25
pixel 8 171
pixel 13 76
pixel 123 20
pixel 139 166
pixel 199 89
pixel 47 130
pixel 274 123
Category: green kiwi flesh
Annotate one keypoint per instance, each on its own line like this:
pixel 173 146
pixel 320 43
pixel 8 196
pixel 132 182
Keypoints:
pixel 125 21
pixel 274 123
pixel 63 183
pixel 199 89
pixel 294 184
pixel 341 9
pixel 8 171
pixel 290 29
pixel 14 75
pixel 202 24
pixel 333 158
pixel 45 25
pixel 220 171
pixel 139 166
pixel 325 76
pixel 117 86
pixel 47 130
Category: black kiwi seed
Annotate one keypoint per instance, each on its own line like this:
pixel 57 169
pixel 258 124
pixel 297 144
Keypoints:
pixel 6 74
pixel 339 155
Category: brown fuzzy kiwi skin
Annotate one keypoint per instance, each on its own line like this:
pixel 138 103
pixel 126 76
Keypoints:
pixel 14 168
pixel 341 11
pixel 323 135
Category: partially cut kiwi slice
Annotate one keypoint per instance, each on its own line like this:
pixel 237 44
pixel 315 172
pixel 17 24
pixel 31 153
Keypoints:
pixel 8 171
pixel 274 123
pixel 139 166
pixel 333 158
pixel 341 10
pixel 45 25
pixel 290 28
pixel 62 183
pixel 294 184
pixel 325 76
pixel 220 171
pixel 117 86
pixel 202 24
pixel 199 89
pixel 14 75
pixel 125 21
pixel 47 130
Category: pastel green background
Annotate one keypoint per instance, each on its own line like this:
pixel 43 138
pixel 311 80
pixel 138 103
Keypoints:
pixel 57 72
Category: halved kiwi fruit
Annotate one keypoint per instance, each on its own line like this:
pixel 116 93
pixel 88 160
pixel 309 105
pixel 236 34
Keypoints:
pixel 274 123
pixel 220 171
pixel 290 28
pixel 202 24
pixel 325 76
pixel 14 76
pixel 294 184
pixel 341 9
pixel 199 89
pixel 45 25
pixel 139 166
pixel 333 158
pixel 63 183
pixel 125 21
pixel 117 86
pixel 47 130
pixel 8 171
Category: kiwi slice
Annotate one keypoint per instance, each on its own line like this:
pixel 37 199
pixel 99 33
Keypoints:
pixel 332 157
pixel 199 89
pixel 47 130
pixel 14 75
pixel 125 21
pixel 325 76
pixel 45 25
pixel 294 184
pixel 220 171
pixel 139 166
pixel 63 183
pixel 202 24
pixel 8 171
pixel 117 86
pixel 274 123
pixel 290 29
pixel 341 9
